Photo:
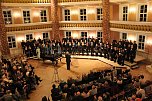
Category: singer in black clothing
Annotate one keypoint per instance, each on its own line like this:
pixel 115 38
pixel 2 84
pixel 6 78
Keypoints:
pixel 68 60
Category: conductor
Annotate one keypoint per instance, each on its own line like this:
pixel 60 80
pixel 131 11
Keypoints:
pixel 68 60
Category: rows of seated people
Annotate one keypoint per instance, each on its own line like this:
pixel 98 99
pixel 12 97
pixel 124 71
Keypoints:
pixel 116 51
pixel 17 79
pixel 107 85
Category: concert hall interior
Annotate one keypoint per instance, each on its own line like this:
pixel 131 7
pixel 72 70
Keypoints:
pixel 75 50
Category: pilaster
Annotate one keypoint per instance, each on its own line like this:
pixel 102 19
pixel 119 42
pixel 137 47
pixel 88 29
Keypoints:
pixel 55 20
pixel 106 20
pixel 5 51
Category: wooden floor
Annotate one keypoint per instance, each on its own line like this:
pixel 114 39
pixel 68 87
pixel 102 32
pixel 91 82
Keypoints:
pixel 78 67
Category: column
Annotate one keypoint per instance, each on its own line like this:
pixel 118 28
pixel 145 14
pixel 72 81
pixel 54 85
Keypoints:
pixel 55 20
pixel 106 20
pixel 5 51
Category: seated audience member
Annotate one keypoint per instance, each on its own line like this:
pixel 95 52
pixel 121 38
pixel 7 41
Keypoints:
pixel 142 80
pixel 55 93
pixel 93 91
pixel 132 98
pixel 136 83
pixel 100 98
pixel 148 88
pixel 44 98
pixel 77 97
pixel 85 93
pixel 7 97
pixel 138 97
pixel 140 90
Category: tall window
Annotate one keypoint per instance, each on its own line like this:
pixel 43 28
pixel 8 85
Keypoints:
pixel 68 34
pixel 43 16
pixel 26 16
pixel 11 41
pixel 29 37
pixel 83 16
pixel 83 34
pixel 141 42
pixel 99 14
pixel 124 36
pixel 45 35
pixel 99 35
pixel 143 13
pixel 125 13
pixel 67 15
pixel 7 17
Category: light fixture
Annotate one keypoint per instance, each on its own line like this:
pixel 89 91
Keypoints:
pixel 16 14
pixel 132 9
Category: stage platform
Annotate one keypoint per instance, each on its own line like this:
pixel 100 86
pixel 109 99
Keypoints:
pixel 136 61
pixel 149 68
pixel 102 59
pixel 127 65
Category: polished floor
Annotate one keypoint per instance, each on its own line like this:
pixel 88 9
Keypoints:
pixel 78 66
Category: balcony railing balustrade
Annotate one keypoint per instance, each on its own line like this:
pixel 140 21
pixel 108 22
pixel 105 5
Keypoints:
pixel 132 26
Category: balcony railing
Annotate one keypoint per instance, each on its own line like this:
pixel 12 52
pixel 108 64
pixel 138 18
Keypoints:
pixel 80 24
pixel 62 1
pixel 26 1
pixel 132 26
pixel 49 1
pixel 26 27
pixel 135 26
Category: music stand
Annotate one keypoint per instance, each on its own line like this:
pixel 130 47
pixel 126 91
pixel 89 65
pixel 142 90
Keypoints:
pixel 55 77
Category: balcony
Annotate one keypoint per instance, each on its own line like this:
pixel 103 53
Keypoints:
pixel 59 1
pixel 80 25
pixel 26 1
pixel 28 27
pixel 131 26
pixel 85 25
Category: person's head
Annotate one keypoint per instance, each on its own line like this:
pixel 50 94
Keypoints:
pixel 139 95
pixel 53 86
pixel 78 93
pixel 44 98
pixel 100 98
pixel 142 76
pixel 133 97
pixel 67 52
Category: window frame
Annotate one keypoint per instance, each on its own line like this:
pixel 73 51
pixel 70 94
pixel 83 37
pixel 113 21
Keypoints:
pixel 99 14
pixel 122 35
pixel 141 42
pixel 29 34
pixel 66 15
pixel 100 35
pixel 121 11
pixel 139 6
pixel 48 35
pixel 7 16
pixel 84 35
pixel 126 17
pixel 44 16
pixel 26 14
pixel 82 15
pixel 11 41
pixel 65 34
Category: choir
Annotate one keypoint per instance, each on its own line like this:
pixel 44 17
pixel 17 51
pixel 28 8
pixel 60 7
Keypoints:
pixel 117 51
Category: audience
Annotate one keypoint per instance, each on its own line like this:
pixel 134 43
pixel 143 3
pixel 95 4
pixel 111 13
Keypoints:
pixel 104 86
pixel 17 79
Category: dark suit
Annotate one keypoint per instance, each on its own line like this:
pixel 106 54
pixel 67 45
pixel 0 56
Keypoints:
pixel 68 60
